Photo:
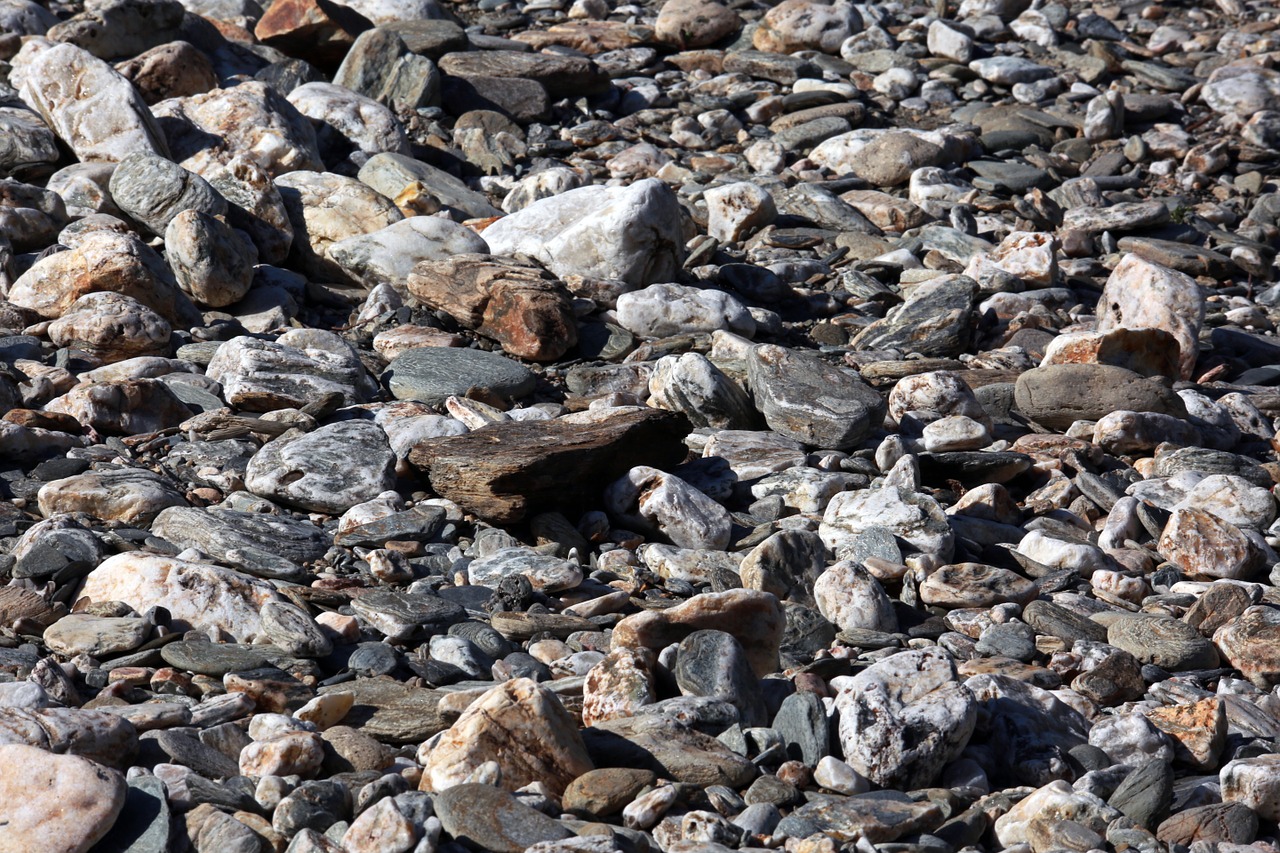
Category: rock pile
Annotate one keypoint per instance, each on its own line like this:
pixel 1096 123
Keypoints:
pixel 685 426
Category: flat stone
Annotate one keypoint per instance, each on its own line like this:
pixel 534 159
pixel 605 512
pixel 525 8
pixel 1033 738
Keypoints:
pixel 432 374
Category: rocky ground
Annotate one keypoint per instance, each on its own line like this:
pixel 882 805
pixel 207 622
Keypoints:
pixel 686 427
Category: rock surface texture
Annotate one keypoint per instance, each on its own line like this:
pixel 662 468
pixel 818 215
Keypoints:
pixel 679 426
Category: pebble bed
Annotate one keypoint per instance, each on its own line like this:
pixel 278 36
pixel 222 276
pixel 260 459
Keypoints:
pixel 578 426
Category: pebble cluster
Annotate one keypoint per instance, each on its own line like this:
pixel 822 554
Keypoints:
pixel 686 426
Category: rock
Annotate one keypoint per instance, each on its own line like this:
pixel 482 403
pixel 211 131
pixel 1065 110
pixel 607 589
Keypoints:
pixel 1234 823
pixel 851 598
pixel 1198 730
pixel 65 801
pixel 1242 90
pixel 975 585
pixel 1167 643
pixel 432 374
pixel 618 686
pixel 1061 394
pixel 692 385
pixel 630 233
pixel 1053 802
pixel 289 754
pixel 1149 352
pixel 130 495
pixel 494 820
pixel 1204 546
pixel 687 24
pixel 1140 294
pixel 913 517
pixel 561 76
pixel 329 470
pixel 736 210
pixel 669 749
pixel 421 188
pixel 228 601
pixel 1247 642
pixel 877 819
pixel 381 66
pixel 175 69
pixel 298 367
pixel 391 254
pixel 520 725
pixel 326 209
pixel 111 327
pixel 805 25
pixel 804 398
pixel 521 307
pixel 98 636
pixel 107 122
pixel 1252 781
pixel 755 618
pixel 102 261
pixel 212 262
pixel 464 469
pixel 934 321
pixel 713 664
pixel 603 792
pixel 661 310
pixel 668 507
pixel 153 190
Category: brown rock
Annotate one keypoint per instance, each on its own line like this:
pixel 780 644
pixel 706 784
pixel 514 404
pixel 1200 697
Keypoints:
pixel 518 724
pixel 1147 352
pixel 1060 394
pixel 520 306
pixel 546 465
pixel 172 70
pixel 669 749
pixel 1218 605
pixel 606 791
pixel 123 408
pixel 753 617
pixel 1140 294
pixel 1198 730
pixel 318 31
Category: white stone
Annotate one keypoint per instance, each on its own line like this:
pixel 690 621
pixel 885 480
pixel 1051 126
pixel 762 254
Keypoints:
pixel 1140 294
pixel 735 210
pixel 662 310
pixel 656 502
pixel 388 255
pixel 849 597
pixel 1255 782
pixel 916 518
pixel 955 432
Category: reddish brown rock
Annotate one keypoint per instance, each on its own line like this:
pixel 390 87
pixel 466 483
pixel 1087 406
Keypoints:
pixel 1149 352
pixel 518 305
pixel 1198 730
pixel 318 31
pixel 1251 643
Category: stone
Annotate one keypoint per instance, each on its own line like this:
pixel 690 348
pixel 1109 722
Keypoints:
pixel 904 718
pixel 1055 801
pixel 212 262
pixel 197 595
pixel 381 66
pixel 432 374
pixel 669 748
pixel 1061 394
pixel 618 686
pixel 1206 547
pixel 687 24
pixel 1149 352
pixel 562 76
pixel 401 615
pixel 877 819
pixel 1167 643
pixel 111 327
pixel 519 306
pixel 129 495
pixel 1198 730
pixel 381 828
pixel 492 819
pixel 668 507
pixel 171 70
pixel 153 190
pixel 1252 781
pixel 1248 642
pixel 326 208
pixel 736 210
pixel 329 470
pixel 975 585
pixel 934 321
pixel 420 188
pixel 1141 294
pixel 298 367
pixel 848 596
pixel 914 517
pixel 107 122
pixel 97 636
pixel 713 664
pixel 62 802
pixel 627 233
pixel 661 310
pixel 755 618
pixel 692 385
pixel 805 25
pixel 811 401
pixel 604 792
pixel 1234 823
pixel 392 254
pixel 289 754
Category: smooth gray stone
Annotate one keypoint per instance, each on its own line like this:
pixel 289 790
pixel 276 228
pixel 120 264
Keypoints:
pixel 419 524
pixel 807 399
pixel 400 615
pixel 802 722
pixel 430 38
pixel 191 752
pixel 878 542
pixel 27 145
pixel 562 76
pixel 154 190
pixel 713 664
pixel 432 374
pixel 213 659
pixel 491 819
pixel 381 66
pixel 1146 794
pixel 328 470
pixel 143 824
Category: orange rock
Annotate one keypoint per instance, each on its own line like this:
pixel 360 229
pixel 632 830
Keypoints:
pixel 1198 729
pixel 318 31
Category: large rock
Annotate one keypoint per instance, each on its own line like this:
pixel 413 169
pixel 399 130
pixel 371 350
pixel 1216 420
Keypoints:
pixel 523 727
pixel 350 128
pixel 153 190
pixel 390 255
pixel 326 208
pixel 686 24
pixel 904 718
pixel 131 407
pixel 1140 294
pixel 913 517
pixel 329 470
pixel 90 106
pixel 296 369
pixel 422 188
pixel 807 25
pixel 936 320
pixel 629 233
pixel 130 495
pixel 518 305
pixel 562 76
pixel 810 400
pixel 1061 394
pixel 197 595
pixel 55 802
pixel 111 327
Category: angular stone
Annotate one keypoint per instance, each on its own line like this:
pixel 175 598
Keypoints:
pixel 111 327
pixel 1140 294
pixel 805 398
pixel 130 495
pixel 877 819
pixel 492 819
pixel 299 367
pixel 1061 394
pixel 668 507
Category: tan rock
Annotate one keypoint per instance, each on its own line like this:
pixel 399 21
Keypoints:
pixel 1142 295
pixel 111 327
pixel 618 685
pixel 382 828
pixel 1251 643
pixel 55 803
pixel 130 495
pixel 1205 547
pixel 325 208
pixel 523 727
pixel 131 407
pixel 171 70
pixel 754 617
pixel 293 753
pixel 686 24
pixel 806 25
